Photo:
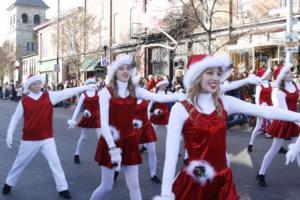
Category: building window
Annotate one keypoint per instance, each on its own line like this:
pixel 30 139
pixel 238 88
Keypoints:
pixel 24 18
pixel 36 19
pixel 28 46
pixel 244 7
pixel 32 46
pixel 116 28
pixel 134 25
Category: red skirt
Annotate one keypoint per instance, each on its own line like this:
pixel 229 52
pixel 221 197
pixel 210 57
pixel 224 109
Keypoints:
pixel 147 133
pixel 89 122
pixel 283 129
pixel 221 187
pixel 160 120
pixel 130 152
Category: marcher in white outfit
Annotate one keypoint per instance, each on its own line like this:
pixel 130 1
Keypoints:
pixel 37 107
pixel 90 118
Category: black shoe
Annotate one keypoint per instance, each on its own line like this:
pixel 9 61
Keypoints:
pixel 155 179
pixel 186 161
pixel 249 148
pixel 76 159
pixel 282 150
pixel 65 194
pixel 6 189
pixel 143 149
pixel 261 180
pixel 116 175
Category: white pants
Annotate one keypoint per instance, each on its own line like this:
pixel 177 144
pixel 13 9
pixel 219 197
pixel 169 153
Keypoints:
pixel 83 137
pixel 27 151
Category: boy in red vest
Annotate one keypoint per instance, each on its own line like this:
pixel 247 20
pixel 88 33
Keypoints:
pixel 35 108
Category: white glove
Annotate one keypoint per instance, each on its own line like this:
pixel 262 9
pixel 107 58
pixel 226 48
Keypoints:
pixel 9 140
pixel 91 87
pixel 87 113
pixel 292 154
pixel 252 79
pixel 72 123
pixel 180 96
pixel 165 197
pixel 115 155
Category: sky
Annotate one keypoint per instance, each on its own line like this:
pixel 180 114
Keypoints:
pixel 50 13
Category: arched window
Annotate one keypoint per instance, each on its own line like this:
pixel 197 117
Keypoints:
pixel 24 18
pixel 36 19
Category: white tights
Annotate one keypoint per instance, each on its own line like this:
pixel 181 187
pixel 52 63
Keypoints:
pixel 276 145
pixel 131 177
pixel 152 157
pixel 83 137
pixel 259 123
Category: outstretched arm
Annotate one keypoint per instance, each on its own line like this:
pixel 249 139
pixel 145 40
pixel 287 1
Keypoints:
pixel 251 79
pixel 233 105
pixel 150 96
pixel 72 122
pixel 104 119
pixel 257 94
pixel 15 119
pixel 177 117
pixel 57 96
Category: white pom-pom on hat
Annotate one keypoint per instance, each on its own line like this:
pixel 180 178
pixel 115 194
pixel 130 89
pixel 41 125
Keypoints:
pixel 31 79
pixel 199 63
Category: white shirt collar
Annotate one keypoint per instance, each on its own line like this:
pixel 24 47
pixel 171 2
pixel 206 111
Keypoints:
pixel 34 95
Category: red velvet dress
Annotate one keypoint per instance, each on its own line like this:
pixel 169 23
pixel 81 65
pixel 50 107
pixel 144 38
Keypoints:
pixel 284 129
pixel 121 114
pixel 92 105
pixel 146 133
pixel 205 139
pixel 160 119
pixel 265 95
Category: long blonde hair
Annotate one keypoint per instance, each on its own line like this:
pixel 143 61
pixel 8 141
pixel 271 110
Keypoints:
pixel 114 86
pixel 196 89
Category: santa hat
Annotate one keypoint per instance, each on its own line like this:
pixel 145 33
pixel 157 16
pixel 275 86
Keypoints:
pixel 161 81
pixel 199 63
pixel 277 71
pixel 122 60
pixel 31 79
pixel 260 72
pixel 90 80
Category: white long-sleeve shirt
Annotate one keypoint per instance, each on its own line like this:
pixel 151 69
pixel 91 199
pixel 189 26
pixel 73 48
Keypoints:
pixel 205 101
pixel 55 97
pixel 123 92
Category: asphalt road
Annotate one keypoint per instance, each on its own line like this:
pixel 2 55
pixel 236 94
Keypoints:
pixel 36 183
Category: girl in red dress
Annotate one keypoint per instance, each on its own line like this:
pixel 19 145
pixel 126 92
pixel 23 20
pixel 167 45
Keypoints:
pixel 90 118
pixel 118 144
pixel 201 120
pixel 287 97
pixel 147 135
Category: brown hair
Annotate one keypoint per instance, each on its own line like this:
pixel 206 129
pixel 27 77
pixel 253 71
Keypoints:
pixel 114 86
pixel 196 89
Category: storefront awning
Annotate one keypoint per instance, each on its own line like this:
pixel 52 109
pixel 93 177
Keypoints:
pixel 90 63
pixel 47 66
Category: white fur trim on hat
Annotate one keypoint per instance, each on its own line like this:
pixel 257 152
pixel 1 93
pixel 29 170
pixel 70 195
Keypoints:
pixel 162 82
pixel 122 60
pixel 197 68
pixel 207 174
pixel 31 80
pixel 90 81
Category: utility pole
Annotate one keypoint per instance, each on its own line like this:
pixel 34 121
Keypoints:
pixel 57 46
pixel 289 31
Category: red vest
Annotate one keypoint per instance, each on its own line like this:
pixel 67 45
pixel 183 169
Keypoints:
pixel 265 95
pixel 292 99
pixel 38 116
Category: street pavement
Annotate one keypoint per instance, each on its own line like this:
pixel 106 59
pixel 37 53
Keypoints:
pixel 36 183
